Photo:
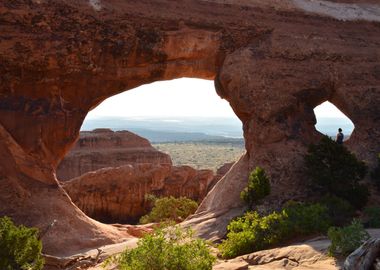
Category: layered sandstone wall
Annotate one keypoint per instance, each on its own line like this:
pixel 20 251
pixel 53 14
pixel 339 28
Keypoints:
pixel 118 195
pixel 104 148
pixel 108 174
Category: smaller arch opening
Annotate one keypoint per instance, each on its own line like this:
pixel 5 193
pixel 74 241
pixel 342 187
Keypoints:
pixel 330 119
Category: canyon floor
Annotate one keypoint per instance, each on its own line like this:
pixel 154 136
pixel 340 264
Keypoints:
pixel 202 155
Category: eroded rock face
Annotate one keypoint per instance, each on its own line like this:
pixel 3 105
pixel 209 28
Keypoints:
pixel 104 148
pixel 118 194
pixel 110 173
pixel 220 172
pixel 274 61
pixel 301 256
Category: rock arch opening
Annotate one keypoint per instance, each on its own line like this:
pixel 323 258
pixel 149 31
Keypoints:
pixel 330 118
pixel 171 138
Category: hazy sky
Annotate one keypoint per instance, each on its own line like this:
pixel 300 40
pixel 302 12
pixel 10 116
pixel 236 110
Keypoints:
pixel 181 97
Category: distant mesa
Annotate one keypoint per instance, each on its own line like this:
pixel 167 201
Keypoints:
pixel 103 148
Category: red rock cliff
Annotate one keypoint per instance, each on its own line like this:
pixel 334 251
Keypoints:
pixel 117 195
pixel 103 148
pixel 114 171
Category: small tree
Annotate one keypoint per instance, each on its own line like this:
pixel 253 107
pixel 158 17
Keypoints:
pixel 339 210
pixel 375 175
pixel 346 239
pixel 258 187
pixel 253 232
pixel 168 209
pixel 169 249
pixel 372 216
pixel 335 170
pixel 20 248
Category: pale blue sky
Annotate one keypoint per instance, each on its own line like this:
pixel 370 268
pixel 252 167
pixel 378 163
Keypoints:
pixel 178 98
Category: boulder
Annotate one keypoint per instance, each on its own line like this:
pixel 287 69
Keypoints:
pixel 366 257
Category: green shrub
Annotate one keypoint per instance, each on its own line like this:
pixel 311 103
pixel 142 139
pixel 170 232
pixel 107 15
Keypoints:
pixel 305 219
pixel 20 248
pixel 170 209
pixel 258 187
pixel 171 249
pixel 335 170
pixel 340 211
pixel 253 232
pixel 373 216
pixel 346 239
pixel 375 174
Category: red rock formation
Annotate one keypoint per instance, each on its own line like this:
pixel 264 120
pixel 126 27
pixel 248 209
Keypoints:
pixel 187 182
pixel 220 172
pixel 274 61
pixel 118 195
pixel 104 148
pixel 122 169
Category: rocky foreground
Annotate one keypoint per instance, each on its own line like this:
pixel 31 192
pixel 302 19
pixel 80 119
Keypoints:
pixel 308 255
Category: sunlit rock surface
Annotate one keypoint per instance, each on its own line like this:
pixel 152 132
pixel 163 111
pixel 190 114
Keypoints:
pixel 104 148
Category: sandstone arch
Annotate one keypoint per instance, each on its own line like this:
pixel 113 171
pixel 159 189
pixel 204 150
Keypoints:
pixel 273 62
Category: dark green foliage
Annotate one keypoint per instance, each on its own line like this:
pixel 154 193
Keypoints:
pixel 171 249
pixel 339 210
pixel 258 187
pixel 20 248
pixel 305 219
pixel 170 209
pixel 375 174
pixel 345 240
pixel 253 232
pixel 373 216
pixel 335 170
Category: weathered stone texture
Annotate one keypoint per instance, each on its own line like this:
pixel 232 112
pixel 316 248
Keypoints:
pixel 104 148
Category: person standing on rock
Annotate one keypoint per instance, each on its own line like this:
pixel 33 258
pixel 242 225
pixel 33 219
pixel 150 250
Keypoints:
pixel 339 136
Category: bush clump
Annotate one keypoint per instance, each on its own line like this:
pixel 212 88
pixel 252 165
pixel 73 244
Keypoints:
pixel 168 209
pixel 20 248
pixel 258 187
pixel 253 232
pixel 340 211
pixel 375 174
pixel 372 216
pixel 346 239
pixel 171 249
pixel 335 170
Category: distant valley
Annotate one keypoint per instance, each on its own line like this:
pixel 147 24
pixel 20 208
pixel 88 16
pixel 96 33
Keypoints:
pixel 189 129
